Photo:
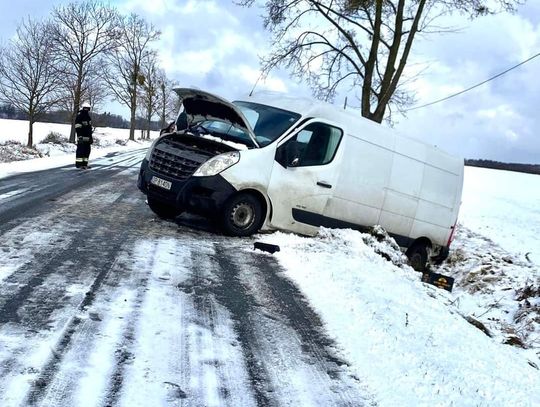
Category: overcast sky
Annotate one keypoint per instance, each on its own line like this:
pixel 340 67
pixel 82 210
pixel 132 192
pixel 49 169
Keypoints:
pixel 215 46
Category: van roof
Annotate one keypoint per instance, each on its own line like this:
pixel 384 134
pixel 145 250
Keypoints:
pixel 308 107
pixel 357 125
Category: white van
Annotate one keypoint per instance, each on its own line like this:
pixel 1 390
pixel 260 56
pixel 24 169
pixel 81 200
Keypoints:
pixel 277 162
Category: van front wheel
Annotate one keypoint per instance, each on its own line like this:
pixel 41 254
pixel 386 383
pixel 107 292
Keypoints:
pixel 242 215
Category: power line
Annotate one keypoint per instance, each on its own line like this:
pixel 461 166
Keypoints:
pixel 475 86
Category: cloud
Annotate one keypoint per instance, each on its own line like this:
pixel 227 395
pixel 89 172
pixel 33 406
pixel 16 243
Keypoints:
pixel 253 76
pixel 498 120
pixel 216 45
pixel 174 10
pixel 503 111
pixel 211 45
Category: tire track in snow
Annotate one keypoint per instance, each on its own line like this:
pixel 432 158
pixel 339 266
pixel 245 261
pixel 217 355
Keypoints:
pixel 99 232
pixel 262 324
pixel 202 287
pixel 157 327
pixel 93 231
pixel 32 276
pixel 126 348
pixel 37 289
pixel 68 386
pixel 124 354
pixel 198 362
pixel 45 187
pixel 290 304
pixel 230 293
pixel 48 372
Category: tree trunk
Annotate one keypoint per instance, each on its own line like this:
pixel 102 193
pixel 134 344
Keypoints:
pixel 76 105
pixel 371 62
pixel 134 79
pixel 163 105
pixel 148 125
pixel 132 121
pixel 30 132
pixel 163 117
pixel 72 129
pixel 378 116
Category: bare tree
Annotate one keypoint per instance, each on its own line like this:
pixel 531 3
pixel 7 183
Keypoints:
pixel 364 44
pixel 124 72
pixel 149 96
pixel 28 77
pixel 167 100
pixel 93 90
pixel 82 32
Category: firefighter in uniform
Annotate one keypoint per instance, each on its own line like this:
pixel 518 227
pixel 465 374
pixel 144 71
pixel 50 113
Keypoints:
pixel 83 128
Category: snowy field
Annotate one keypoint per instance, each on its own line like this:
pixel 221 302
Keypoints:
pixel 49 155
pixel 408 342
pixel 505 207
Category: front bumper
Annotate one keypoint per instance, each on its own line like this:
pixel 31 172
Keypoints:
pixel 201 195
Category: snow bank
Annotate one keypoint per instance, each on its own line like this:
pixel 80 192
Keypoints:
pixel 405 339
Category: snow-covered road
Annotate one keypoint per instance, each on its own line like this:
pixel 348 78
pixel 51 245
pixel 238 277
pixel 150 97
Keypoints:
pixel 103 304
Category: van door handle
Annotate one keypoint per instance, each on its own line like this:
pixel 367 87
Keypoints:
pixel 324 184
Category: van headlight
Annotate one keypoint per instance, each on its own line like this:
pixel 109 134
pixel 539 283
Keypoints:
pixel 217 164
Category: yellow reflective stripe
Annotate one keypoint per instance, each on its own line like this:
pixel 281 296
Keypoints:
pixel 78 126
pixel 79 160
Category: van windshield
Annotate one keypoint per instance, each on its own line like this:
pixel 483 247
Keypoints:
pixel 268 123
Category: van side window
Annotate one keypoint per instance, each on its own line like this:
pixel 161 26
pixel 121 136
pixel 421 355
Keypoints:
pixel 316 144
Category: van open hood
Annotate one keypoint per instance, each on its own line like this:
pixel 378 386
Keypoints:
pixel 200 105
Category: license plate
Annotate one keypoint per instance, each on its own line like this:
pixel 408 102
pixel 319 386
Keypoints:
pixel 161 183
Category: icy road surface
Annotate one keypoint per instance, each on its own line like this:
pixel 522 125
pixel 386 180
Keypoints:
pixel 103 304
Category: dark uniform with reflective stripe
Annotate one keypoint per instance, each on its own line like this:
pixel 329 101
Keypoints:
pixel 83 128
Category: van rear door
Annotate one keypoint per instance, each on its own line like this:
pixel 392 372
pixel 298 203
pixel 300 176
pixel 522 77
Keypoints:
pixel 303 176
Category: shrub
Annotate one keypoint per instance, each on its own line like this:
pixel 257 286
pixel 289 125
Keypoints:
pixel 10 143
pixel 55 138
pixel 14 151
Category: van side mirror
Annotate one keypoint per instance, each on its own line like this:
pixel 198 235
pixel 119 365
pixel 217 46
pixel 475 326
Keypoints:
pixel 287 154
pixel 281 156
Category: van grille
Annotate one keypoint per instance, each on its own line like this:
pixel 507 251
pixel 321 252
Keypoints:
pixel 175 159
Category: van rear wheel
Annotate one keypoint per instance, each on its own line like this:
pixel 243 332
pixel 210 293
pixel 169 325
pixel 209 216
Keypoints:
pixel 162 209
pixel 242 215
pixel 418 256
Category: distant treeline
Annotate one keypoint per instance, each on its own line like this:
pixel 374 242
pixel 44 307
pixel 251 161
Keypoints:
pixel 59 116
pixel 497 165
